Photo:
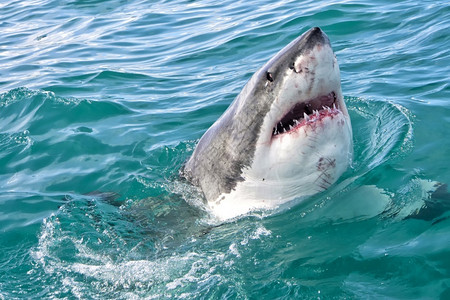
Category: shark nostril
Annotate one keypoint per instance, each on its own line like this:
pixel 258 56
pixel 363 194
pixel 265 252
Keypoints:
pixel 269 76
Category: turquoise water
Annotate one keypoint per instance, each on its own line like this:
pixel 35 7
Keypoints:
pixel 101 102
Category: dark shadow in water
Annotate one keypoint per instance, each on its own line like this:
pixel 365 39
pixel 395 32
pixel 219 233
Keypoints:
pixel 434 207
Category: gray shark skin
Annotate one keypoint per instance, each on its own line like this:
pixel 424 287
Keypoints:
pixel 283 108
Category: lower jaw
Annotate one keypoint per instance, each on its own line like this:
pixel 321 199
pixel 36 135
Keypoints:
pixel 313 121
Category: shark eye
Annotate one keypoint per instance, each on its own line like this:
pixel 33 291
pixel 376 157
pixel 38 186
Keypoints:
pixel 269 76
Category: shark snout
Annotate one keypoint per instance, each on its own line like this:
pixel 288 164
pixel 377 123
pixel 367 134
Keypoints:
pixel 307 45
pixel 315 37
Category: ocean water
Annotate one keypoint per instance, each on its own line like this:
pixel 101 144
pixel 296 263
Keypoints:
pixel 101 102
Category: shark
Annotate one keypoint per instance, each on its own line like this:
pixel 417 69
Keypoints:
pixel 286 136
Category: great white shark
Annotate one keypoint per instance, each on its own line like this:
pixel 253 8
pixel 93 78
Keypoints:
pixel 286 136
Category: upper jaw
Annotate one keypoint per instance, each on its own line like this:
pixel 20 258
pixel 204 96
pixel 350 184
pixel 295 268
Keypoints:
pixel 311 87
pixel 304 112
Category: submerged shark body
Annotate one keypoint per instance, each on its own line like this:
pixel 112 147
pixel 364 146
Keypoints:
pixel 286 136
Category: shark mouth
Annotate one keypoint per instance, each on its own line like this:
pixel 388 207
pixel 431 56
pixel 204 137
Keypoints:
pixel 306 112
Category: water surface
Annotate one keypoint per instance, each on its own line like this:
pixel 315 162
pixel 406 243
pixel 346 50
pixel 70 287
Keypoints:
pixel 112 96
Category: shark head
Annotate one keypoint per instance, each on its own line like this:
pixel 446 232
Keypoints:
pixel 286 136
